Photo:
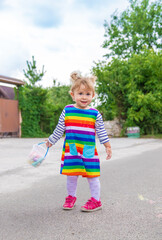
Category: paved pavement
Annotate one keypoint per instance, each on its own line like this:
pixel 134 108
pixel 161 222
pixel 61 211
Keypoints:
pixel 31 198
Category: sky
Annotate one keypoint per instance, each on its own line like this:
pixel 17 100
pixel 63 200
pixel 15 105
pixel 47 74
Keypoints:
pixel 62 35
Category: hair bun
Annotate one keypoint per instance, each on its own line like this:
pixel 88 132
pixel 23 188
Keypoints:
pixel 93 78
pixel 75 75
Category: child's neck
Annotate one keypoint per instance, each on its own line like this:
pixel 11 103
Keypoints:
pixel 81 108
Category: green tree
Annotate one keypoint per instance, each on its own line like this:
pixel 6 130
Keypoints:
pixel 57 98
pixel 134 28
pixel 32 74
pixel 145 92
pixel 112 88
pixel 131 90
pixel 31 101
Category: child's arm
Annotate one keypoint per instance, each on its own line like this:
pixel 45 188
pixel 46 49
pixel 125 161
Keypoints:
pixel 102 135
pixel 58 131
pixel 108 150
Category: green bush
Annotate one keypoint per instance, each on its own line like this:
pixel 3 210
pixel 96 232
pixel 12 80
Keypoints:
pixel 131 90
pixel 31 102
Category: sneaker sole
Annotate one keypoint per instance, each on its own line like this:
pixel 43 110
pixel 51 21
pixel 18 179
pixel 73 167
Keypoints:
pixel 90 210
pixel 68 208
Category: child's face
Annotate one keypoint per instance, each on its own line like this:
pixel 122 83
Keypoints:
pixel 82 96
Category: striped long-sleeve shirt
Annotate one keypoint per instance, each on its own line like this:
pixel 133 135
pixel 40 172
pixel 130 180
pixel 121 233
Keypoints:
pixel 60 128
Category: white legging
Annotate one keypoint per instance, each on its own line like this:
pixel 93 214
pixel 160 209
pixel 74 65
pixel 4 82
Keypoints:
pixel 94 185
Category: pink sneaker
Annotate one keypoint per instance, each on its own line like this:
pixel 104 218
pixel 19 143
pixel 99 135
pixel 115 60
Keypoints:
pixel 91 205
pixel 69 203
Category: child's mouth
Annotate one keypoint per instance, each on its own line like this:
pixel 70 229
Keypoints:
pixel 83 102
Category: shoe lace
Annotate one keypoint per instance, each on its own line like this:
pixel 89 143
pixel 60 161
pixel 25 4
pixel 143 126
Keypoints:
pixel 69 199
pixel 89 202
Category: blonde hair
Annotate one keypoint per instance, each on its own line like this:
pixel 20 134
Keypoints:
pixel 77 80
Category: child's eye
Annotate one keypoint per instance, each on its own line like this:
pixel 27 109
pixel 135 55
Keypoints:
pixel 88 94
pixel 80 93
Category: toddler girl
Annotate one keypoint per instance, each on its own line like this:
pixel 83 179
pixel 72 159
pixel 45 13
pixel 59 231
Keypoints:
pixel 79 156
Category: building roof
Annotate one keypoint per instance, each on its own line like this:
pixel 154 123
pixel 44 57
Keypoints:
pixel 10 80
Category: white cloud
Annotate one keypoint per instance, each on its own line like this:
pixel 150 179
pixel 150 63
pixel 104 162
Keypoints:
pixel 64 35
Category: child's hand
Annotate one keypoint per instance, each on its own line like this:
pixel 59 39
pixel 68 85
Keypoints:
pixel 48 144
pixel 109 152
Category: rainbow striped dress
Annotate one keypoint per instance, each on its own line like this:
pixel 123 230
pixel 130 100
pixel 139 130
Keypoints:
pixel 79 155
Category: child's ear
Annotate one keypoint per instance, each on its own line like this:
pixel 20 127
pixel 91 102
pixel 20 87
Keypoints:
pixel 72 95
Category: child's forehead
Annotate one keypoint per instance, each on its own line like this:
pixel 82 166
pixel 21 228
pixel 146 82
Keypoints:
pixel 82 87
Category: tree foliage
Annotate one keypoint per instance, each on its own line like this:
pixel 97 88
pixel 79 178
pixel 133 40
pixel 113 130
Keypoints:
pixel 129 86
pixel 40 107
pixel 131 90
pixel 31 101
pixel 134 28
pixel 57 98
pixel 32 74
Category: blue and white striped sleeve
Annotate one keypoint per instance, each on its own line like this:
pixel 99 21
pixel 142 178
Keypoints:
pixel 100 129
pixel 59 130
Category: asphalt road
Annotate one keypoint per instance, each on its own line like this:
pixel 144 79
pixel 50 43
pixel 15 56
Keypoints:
pixel 130 192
